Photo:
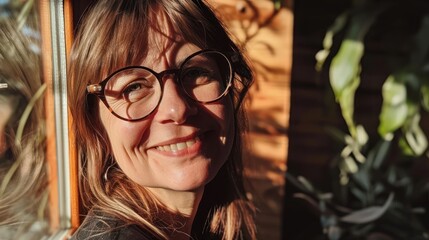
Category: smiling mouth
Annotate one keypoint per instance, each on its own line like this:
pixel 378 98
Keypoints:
pixel 178 146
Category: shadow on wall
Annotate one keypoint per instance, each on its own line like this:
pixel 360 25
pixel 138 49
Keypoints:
pixel 264 30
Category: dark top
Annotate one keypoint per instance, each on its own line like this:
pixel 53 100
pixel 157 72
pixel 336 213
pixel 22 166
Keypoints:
pixel 100 226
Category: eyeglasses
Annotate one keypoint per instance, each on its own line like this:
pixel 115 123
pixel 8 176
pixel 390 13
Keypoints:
pixel 134 92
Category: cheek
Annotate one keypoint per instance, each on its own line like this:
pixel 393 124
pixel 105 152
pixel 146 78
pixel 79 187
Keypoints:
pixel 127 142
pixel 228 118
pixel 224 115
pixel 230 128
pixel 123 136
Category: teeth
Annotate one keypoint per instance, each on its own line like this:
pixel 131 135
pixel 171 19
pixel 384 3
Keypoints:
pixel 178 146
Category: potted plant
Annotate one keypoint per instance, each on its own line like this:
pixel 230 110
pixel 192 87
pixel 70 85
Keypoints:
pixel 375 192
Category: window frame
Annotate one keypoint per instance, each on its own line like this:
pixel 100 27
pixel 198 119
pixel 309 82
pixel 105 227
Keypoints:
pixel 56 30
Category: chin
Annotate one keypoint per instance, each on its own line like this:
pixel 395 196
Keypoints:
pixel 192 183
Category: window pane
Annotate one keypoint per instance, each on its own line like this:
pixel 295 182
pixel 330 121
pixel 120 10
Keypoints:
pixel 24 189
pixel 34 153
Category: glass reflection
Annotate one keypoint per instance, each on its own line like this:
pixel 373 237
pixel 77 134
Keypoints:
pixel 23 173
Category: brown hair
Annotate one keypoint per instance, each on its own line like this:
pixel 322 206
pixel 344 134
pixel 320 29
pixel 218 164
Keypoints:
pixel 98 50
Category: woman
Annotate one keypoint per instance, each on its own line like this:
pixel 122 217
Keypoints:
pixel 155 92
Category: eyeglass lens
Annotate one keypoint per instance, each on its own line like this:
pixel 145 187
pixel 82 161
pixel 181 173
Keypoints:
pixel 134 93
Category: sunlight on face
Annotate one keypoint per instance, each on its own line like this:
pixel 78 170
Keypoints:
pixel 180 146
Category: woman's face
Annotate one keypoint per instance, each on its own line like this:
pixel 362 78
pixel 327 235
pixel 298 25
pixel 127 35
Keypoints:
pixel 182 144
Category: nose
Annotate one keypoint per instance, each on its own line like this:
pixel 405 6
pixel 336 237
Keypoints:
pixel 175 106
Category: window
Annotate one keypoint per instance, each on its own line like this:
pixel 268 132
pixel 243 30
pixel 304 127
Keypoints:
pixel 35 168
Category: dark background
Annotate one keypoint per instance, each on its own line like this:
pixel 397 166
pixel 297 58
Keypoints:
pixel 311 149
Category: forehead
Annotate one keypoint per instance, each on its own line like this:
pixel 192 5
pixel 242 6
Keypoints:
pixel 169 55
pixel 166 47
pixel 162 41
pixel 156 38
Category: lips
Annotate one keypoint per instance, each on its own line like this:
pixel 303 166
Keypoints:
pixel 178 146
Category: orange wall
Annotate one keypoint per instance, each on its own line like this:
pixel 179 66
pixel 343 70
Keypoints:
pixel 266 35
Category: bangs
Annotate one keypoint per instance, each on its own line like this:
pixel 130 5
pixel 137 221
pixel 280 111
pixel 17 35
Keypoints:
pixel 126 40
pixel 130 27
pixel 136 27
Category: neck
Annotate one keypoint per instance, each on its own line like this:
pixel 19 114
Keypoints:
pixel 182 207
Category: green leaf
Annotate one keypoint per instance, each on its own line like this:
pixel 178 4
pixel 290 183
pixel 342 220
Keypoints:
pixel 394 109
pixel 343 177
pixel 358 155
pixel 346 100
pixel 349 165
pixel 346 65
pixel 415 137
pixel 359 142
pixel 362 178
pixel 298 182
pixel 369 214
pixel 308 199
pixel 379 188
pixel 379 153
pixel 359 194
pixel 361 135
pixel 344 78
pixel 392 176
pixel 307 184
pixel 405 147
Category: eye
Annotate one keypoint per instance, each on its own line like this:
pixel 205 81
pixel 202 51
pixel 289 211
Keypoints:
pixel 135 86
pixel 197 76
pixel 137 90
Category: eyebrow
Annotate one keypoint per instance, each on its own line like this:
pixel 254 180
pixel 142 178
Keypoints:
pixel 180 62
pixel 177 64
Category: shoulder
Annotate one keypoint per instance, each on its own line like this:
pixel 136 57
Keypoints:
pixel 100 226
